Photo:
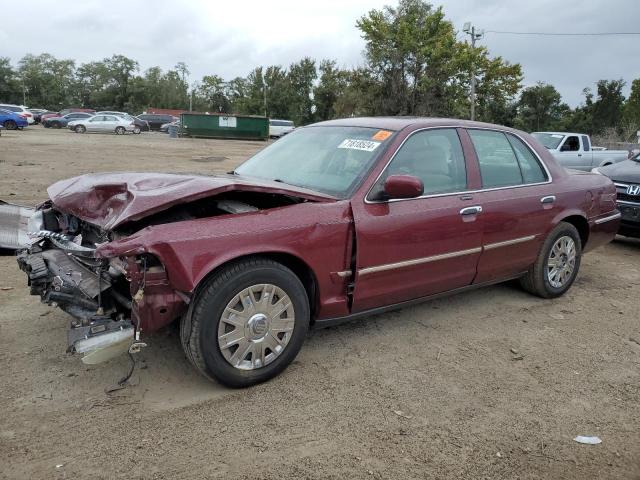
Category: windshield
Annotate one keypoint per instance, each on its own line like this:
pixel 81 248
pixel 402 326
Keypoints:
pixel 330 160
pixel 549 140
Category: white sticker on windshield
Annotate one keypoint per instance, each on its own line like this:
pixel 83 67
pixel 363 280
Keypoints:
pixel 555 135
pixel 365 145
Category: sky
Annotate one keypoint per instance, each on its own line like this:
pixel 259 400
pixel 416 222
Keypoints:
pixel 231 38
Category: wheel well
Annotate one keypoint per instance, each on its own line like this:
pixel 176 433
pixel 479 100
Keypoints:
pixel 295 264
pixel 581 225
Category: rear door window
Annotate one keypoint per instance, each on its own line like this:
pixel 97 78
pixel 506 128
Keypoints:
pixel 585 143
pixel 532 171
pixel 499 166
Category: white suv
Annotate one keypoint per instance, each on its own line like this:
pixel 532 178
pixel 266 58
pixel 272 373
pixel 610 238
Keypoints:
pixel 20 110
pixel 278 128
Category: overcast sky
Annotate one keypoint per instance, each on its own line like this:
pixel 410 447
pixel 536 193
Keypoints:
pixel 230 38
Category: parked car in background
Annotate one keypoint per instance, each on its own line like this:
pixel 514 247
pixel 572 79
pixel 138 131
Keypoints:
pixel 626 177
pixel 37 113
pixel 335 221
pixel 278 128
pixel 156 121
pixel 165 127
pixel 103 124
pixel 62 113
pixel 62 122
pixel 12 120
pixel 574 150
pixel 20 110
pixel 143 125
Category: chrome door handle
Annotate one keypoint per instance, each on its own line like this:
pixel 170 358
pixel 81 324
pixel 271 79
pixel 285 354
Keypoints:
pixel 548 199
pixel 471 210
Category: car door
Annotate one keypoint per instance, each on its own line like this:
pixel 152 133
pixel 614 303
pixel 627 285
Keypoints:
pixel 109 124
pixel 571 155
pixel 518 203
pixel 94 124
pixel 412 248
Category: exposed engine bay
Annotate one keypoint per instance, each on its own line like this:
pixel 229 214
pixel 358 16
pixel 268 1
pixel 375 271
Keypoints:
pixel 112 299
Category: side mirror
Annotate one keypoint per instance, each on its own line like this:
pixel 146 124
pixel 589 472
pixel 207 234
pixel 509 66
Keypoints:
pixel 403 186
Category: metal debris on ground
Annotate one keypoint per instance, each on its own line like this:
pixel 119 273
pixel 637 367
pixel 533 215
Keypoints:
pixel 588 440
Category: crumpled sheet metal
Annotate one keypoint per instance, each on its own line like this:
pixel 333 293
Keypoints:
pixel 13 225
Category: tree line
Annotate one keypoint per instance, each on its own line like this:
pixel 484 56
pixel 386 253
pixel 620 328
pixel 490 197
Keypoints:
pixel 413 65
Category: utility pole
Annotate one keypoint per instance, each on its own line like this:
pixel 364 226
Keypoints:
pixel 264 92
pixel 475 35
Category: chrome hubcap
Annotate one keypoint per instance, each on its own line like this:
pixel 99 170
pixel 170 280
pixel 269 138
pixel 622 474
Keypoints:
pixel 256 326
pixel 561 262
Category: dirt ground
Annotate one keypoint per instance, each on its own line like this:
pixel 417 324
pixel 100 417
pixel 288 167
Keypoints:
pixel 432 391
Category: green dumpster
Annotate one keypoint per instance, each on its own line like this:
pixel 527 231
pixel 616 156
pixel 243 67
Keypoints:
pixel 224 126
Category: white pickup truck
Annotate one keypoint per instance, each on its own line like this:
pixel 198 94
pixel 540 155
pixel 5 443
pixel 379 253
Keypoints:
pixel 574 150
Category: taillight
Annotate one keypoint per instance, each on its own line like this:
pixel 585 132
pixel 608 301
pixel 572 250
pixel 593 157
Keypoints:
pixel 26 114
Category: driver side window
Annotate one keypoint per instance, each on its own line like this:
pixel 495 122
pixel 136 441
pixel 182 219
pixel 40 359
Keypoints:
pixel 435 157
pixel 571 144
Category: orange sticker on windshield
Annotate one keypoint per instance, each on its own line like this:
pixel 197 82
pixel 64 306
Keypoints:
pixel 381 135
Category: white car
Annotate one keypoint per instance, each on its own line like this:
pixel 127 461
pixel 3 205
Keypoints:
pixel 20 110
pixel 278 128
pixel 104 124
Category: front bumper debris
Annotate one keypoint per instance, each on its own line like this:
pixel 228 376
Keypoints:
pixel 78 286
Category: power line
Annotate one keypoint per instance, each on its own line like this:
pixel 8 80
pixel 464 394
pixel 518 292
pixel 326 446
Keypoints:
pixel 551 34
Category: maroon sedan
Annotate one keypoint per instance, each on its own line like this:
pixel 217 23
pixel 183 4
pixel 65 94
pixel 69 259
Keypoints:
pixel 337 220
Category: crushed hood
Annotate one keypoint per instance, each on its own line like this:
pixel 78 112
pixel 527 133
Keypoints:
pixel 112 199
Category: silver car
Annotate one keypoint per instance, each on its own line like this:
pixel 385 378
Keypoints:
pixel 104 124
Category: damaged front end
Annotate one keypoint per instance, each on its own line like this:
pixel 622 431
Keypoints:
pixel 109 299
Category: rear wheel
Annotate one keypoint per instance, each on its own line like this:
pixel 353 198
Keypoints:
pixel 80 129
pixel 10 124
pixel 247 323
pixel 557 264
pixel 120 130
pixel 136 130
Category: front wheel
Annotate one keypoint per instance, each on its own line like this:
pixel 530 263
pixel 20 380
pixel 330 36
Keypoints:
pixel 120 130
pixel 80 129
pixel 247 323
pixel 136 130
pixel 557 264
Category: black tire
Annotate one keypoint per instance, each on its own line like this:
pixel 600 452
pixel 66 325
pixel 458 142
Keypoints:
pixel 536 281
pixel 120 130
pixel 10 124
pixel 136 130
pixel 199 329
pixel 79 129
pixel 45 124
pixel 56 125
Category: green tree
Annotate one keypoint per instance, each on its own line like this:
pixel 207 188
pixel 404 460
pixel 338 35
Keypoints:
pixel 540 108
pixel 212 96
pixel 421 69
pixel 332 85
pixel 301 77
pixel 47 81
pixel 10 90
pixel 631 111
pixel 607 108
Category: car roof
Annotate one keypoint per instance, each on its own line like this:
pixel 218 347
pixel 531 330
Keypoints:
pixel 398 123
